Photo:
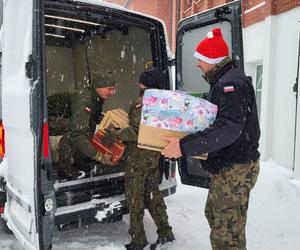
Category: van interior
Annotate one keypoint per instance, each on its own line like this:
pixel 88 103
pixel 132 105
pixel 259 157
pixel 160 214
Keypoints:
pixel 80 42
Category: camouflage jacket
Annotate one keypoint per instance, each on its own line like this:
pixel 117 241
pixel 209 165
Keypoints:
pixel 129 136
pixel 76 114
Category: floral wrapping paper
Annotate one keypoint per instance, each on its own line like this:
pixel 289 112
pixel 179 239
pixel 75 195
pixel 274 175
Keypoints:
pixel 175 110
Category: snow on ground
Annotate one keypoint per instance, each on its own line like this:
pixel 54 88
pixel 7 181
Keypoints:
pixel 273 219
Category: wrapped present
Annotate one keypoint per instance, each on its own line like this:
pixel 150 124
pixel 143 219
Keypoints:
pixel 177 111
pixel 172 113
pixel 115 118
pixel 116 150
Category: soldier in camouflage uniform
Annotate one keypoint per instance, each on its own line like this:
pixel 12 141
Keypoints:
pixel 142 175
pixel 75 116
pixel 231 143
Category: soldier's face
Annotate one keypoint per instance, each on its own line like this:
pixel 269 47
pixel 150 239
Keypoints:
pixel 141 86
pixel 204 66
pixel 106 92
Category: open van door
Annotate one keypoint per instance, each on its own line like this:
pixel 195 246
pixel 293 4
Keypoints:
pixel 189 78
pixel 30 205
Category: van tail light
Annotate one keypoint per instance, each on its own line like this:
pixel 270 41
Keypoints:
pixel 2 141
pixel 1 210
pixel 46 140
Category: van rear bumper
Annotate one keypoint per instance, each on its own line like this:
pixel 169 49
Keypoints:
pixel 102 210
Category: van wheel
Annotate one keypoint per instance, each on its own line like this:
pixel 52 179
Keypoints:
pixel 4 228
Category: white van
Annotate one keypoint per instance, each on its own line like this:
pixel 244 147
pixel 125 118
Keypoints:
pixel 56 46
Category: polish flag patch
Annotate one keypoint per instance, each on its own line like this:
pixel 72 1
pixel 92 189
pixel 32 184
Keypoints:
pixel 228 89
pixel 138 106
pixel 87 109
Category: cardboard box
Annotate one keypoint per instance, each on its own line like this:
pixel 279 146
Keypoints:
pixel 151 138
pixel 172 113
pixel 115 118
pixel 116 150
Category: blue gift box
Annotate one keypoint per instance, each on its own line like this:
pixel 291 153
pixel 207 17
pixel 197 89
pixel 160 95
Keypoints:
pixel 176 111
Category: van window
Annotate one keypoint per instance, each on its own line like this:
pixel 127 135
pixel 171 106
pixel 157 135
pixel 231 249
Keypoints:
pixel 192 80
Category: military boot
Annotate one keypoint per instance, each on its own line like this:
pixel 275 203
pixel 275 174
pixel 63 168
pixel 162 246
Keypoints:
pixel 58 172
pixel 134 246
pixel 161 240
pixel 70 173
pixel 73 173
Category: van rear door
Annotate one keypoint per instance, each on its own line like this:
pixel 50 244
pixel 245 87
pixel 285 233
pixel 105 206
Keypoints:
pixel 30 203
pixel 188 76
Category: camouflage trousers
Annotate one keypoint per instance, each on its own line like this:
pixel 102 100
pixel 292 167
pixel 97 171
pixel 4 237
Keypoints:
pixel 227 205
pixel 141 185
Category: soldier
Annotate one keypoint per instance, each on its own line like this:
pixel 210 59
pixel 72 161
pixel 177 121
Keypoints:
pixel 232 144
pixel 142 174
pixel 75 116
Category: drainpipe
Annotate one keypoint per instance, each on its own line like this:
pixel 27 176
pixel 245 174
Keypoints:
pixel 181 9
pixel 127 2
pixel 193 7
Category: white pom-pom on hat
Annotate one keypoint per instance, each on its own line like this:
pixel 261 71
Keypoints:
pixel 210 35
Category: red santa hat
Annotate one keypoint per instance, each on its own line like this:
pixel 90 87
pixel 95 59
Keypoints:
pixel 212 49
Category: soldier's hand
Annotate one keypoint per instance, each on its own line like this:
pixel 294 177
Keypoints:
pixel 103 159
pixel 107 141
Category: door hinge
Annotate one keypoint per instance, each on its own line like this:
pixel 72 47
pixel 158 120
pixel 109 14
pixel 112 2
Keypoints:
pixel 223 11
pixel 30 68
pixel 171 62
pixel 295 87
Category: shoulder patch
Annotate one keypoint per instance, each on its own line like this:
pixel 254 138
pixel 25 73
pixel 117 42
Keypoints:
pixel 138 106
pixel 229 89
pixel 87 109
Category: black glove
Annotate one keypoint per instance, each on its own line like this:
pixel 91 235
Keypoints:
pixel 107 141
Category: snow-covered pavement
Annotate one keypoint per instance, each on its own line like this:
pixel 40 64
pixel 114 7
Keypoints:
pixel 273 219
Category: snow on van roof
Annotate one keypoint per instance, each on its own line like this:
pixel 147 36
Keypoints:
pixel 120 7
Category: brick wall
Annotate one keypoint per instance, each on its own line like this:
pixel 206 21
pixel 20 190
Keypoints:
pixel 253 10
pixel 257 10
pixel 198 6
pixel 120 2
pixel 285 5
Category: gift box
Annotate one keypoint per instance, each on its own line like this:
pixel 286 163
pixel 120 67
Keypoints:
pixel 116 150
pixel 115 118
pixel 174 114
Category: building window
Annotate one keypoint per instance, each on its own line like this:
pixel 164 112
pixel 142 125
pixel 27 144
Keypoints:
pixel 259 71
